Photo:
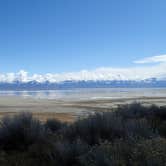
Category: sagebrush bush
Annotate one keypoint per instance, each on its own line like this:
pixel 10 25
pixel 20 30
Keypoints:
pixel 103 126
pixel 21 131
pixel 54 125
pixel 109 154
pixel 69 153
pixel 150 152
pixel 162 129
pixel 131 135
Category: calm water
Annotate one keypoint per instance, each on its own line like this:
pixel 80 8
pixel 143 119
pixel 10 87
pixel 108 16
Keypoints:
pixel 94 93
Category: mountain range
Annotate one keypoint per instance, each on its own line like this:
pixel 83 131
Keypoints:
pixel 99 78
pixel 34 85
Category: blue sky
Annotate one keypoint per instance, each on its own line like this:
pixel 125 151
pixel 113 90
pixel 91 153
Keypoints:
pixel 57 36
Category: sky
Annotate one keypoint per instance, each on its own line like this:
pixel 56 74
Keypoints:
pixel 63 36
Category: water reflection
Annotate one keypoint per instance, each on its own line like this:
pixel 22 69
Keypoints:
pixel 94 93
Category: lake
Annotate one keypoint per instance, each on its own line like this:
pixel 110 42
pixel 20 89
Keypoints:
pixel 89 93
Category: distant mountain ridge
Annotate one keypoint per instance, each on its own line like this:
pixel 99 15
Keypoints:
pixel 34 85
pixel 99 78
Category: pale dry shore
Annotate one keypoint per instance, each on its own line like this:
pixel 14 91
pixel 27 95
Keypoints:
pixel 67 111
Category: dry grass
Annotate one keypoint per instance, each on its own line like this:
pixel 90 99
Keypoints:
pixel 43 116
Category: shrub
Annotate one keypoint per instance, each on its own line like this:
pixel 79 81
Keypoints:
pixel 162 129
pixel 108 154
pixel 138 128
pixel 132 111
pixel 20 131
pixel 68 153
pixel 125 122
pixel 131 135
pixel 151 152
pixel 161 113
pixel 103 126
pixel 54 125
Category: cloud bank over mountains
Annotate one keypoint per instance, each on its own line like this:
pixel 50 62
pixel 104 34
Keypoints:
pixel 157 71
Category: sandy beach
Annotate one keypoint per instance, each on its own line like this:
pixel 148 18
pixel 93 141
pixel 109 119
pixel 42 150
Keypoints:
pixel 67 111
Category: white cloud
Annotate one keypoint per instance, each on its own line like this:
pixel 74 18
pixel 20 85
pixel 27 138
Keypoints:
pixel 152 59
pixel 133 73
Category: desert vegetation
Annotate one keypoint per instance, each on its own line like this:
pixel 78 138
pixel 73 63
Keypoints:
pixel 130 135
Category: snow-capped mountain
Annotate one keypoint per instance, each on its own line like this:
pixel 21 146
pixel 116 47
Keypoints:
pixel 33 85
pixel 99 78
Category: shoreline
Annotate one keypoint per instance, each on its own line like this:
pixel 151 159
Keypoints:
pixel 65 110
